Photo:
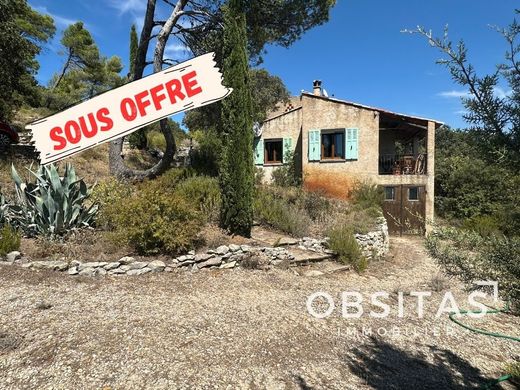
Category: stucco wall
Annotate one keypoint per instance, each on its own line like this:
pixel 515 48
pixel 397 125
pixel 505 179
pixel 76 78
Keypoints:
pixel 284 126
pixel 337 177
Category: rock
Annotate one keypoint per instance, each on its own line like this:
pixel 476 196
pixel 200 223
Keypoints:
pixel 112 265
pixel 100 272
pixel 191 253
pixel 222 250
pixel 139 271
pixel 168 269
pixel 73 271
pixel 181 259
pixel 87 271
pixel 211 262
pixel 287 241
pixel 194 268
pixel 245 248
pixel 135 265
pixel 202 257
pixel 231 264
pixel 74 263
pixel 156 266
pixel 313 273
pixel 92 264
pixel 227 256
pixel 126 260
pixel 12 256
pixel 234 248
pixel 56 265
pixel 116 271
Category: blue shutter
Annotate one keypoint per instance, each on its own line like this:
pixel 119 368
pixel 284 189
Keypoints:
pixel 287 147
pixel 314 145
pixel 352 142
pixel 259 151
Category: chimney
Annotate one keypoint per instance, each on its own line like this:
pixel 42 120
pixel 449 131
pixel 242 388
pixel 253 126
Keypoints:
pixel 316 87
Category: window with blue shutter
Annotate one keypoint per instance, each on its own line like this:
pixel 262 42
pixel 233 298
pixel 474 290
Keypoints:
pixel 259 151
pixel 287 148
pixel 352 136
pixel 314 142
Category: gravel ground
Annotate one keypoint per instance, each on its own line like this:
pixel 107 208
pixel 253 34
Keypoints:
pixel 240 329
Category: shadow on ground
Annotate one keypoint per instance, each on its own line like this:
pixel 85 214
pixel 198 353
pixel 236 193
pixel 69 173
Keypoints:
pixel 383 366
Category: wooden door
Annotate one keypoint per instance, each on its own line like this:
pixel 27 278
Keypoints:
pixel 404 208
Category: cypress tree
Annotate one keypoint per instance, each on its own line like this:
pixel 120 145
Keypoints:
pixel 236 168
pixel 133 50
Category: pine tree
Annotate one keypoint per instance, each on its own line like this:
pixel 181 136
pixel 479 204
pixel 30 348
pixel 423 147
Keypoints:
pixel 236 168
pixel 134 43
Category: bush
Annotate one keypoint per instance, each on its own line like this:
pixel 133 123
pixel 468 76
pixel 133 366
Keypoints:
pixel 468 255
pixel 344 244
pixel 153 220
pixel 280 214
pixel 205 157
pixel 9 240
pixel 484 225
pixel 110 195
pixel 367 195
pixel 286 175
pixel 204 193
pixel 316 205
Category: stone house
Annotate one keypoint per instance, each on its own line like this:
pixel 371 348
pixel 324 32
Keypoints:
pixel 336 143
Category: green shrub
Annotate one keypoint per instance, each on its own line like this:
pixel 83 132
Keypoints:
pixel 153 221
pixel 316 205
pixel 485 225
pixel 367 195
pixel 204 193
pixel 469 256
pixel 286 175
pixel 52 204
pixel 9 240
pixel 110 195
pixel 206 155
pixel 280 214
pixel 155 140
pixel 344 244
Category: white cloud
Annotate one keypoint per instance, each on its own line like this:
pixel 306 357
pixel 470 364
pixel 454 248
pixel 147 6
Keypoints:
pixel 454 94
pixel 501 93
pixel 60 21
pixel 175 48
pixel 132 6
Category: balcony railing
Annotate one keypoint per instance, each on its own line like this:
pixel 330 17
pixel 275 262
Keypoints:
pixel 394 164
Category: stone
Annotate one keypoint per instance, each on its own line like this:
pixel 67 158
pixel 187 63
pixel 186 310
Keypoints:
pixel 222 250
pixel 245 248
pixel 202 257
pixel 100 272
pixel 12 256
pixel 73 271
pixel 227 256
pixel 136 265
pixel 112 265
pixel 92 264
pixel 231 264
pixel 55 265
pixel 74 263
pixel 116 271
pixel 87 271
pixel 139 271
pixel 157 266
pixel 287 241
pixel 192 252
pixel 211 262
pixel 168 269
pixel 126 260
pixel 234 247
pixel 180 259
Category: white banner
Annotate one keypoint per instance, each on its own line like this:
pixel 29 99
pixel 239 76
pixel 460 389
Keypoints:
pixel 121 111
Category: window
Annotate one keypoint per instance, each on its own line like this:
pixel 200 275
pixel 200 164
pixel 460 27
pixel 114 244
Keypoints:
pixel 333 145
pixel 389 193
pixel 413 193
pixel 273 151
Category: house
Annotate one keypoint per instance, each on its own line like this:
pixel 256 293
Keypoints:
pixel 335 143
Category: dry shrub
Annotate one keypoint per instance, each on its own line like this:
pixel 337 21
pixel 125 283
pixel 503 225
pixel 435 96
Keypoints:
pixel 344 244
pixel 9 240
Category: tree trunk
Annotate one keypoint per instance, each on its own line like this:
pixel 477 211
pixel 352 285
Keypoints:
pixel 116 161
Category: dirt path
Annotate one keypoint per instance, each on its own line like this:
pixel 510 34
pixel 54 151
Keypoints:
pixel 239 329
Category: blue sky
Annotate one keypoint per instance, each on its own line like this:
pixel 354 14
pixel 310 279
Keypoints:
pixel 360 54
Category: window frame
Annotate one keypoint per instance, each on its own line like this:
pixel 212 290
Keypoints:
pixel 332 132
pixel 393 193
pixel 266 154
pixel 409 192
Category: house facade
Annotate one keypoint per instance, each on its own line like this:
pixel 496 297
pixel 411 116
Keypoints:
pixel 336 143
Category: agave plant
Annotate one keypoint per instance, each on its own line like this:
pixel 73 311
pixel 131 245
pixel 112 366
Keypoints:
pixel 52 204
